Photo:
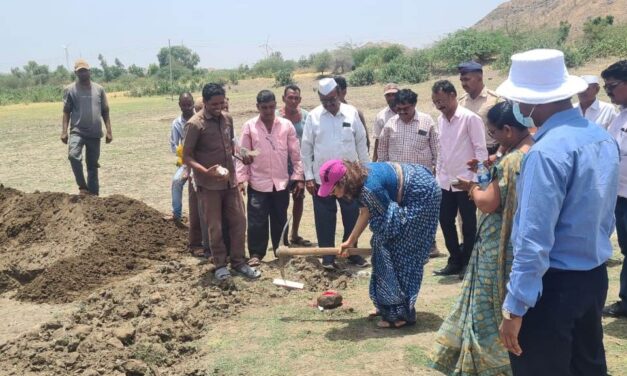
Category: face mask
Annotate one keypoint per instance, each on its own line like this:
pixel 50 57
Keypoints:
pixel 527 121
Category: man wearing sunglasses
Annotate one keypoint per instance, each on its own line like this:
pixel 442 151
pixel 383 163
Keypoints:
pixel 615 77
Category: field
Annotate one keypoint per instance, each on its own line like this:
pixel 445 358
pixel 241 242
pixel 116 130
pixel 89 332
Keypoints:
pixel 256 329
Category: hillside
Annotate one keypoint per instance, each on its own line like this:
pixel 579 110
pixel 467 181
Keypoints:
pixel 519 15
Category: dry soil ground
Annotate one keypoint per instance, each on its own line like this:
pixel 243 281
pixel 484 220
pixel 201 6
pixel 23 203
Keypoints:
pixel 102 285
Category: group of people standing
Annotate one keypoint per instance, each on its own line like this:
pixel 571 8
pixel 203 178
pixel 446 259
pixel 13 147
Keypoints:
pixel 532 261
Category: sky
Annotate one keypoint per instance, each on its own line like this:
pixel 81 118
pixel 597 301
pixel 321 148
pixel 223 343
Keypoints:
pixel 223 33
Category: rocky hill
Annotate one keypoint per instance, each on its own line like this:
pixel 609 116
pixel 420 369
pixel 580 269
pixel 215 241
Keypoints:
pixel 520 15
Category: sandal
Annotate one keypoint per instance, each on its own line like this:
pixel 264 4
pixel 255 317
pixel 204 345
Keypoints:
pixel 301 242
pixel 372 315
pixel 254 261
pixel 383 324
pixel 247 271
pixel 222 274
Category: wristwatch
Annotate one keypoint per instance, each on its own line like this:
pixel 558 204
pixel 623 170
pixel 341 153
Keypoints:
pixel 507 315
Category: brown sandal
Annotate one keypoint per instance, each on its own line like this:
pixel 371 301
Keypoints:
pixel 254 261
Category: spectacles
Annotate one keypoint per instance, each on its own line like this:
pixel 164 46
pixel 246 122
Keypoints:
pixel 613 85
pixel 329 101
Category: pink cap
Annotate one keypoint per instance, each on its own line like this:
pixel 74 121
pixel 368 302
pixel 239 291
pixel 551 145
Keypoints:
pixel 330 173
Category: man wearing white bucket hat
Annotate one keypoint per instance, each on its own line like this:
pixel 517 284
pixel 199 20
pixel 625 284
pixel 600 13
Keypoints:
pixel 567 193
pixel 593 109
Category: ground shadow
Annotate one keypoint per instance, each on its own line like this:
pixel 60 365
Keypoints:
pixel 448 280
pixel 616 328
pixel 359 329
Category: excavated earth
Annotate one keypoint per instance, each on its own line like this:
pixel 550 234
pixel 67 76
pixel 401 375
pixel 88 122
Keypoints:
pixel 140 303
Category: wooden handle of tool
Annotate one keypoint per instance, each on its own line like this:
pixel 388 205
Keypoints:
pixel 320 251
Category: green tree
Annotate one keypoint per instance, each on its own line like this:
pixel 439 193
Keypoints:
pixel 181 55
pixel 322 61
pixel 136 70
pixel 40 74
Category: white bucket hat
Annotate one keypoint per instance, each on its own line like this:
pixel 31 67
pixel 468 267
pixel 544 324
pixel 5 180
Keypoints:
pixel 540 76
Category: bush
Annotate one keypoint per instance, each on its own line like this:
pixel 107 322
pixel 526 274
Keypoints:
pixel 470 44
pixel 413 68
pixel 362 77
pixel 283 78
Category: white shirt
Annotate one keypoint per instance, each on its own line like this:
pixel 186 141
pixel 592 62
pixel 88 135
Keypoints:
pixel 327 137
pixel 618 130
pixel 379 122
pixel 600 112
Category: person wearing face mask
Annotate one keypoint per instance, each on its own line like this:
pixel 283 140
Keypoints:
pixel 561 233
pixel 468 340
pixel 615 77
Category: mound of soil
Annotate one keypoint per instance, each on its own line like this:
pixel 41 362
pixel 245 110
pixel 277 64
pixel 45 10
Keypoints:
pixel 55 247
pixel 310 272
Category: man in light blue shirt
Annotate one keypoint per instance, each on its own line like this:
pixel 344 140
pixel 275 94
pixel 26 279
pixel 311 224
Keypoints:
pixel 566 198
pixel 186 104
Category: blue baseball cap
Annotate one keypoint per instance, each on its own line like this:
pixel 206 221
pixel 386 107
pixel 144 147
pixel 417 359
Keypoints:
pixel 469 66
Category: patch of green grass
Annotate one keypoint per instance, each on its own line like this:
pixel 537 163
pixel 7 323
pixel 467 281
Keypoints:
pixel 416 355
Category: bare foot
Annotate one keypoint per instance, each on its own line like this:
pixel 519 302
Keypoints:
pixel 391 325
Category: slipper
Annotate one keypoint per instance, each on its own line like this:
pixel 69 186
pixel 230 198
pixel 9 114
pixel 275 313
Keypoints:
pixel 391 324
pixel 373 315
pixel 300 241
pixel 254 261
pixel 222 274
pixel 247 271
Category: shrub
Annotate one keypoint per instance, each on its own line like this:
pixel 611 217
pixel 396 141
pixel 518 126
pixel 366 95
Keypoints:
pixel 283 78
pixel 362 77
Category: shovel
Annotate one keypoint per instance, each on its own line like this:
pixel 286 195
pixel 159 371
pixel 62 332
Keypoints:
pixel 284 254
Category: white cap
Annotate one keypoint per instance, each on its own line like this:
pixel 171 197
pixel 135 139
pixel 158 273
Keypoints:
pixel 326 86
pixel 590 79
pixel 540 76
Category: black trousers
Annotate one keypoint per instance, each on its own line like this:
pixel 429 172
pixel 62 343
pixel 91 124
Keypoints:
pixel 562 335
pixel 451 203
pixel 261 207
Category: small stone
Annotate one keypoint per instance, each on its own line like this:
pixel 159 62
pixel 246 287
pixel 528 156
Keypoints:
pixel 52 325
pixel 155 298
pixel 71 359
pixel 115 343
pixel 135 367
pixel 125 333
pixel 81 331
pixel 330 300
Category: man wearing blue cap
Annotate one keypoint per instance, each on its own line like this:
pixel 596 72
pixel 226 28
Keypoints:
pixel 478 98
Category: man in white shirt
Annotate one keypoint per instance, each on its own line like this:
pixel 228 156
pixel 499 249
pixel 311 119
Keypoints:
pixel 332 130
pixel 591 107
pixel 389 92
pixel 615 77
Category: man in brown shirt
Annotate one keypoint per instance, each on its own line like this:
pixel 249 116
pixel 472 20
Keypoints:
pixel 478 98
pixel 208 150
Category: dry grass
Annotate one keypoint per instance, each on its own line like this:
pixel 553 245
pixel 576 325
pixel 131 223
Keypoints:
pixel 288 337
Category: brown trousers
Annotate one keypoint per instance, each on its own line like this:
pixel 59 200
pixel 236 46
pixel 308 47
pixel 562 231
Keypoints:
pixel 195 231
pixel 226 205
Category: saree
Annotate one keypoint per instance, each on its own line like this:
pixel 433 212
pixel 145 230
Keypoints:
pixel 402 235
pixel 468 341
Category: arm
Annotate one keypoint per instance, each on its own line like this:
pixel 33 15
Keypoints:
pixel 363 122
pixel 434 145
pixel 377 129
pixel 306 153
pixel 175 137
pixel 105 117
pixel 189 144
pixel 476 131
pixel 384 145
pixel 360 226
pixel 293 148
pixel 67 109
pixel 243 170
pixel 541 194
pixel 361 139
pixel 488 200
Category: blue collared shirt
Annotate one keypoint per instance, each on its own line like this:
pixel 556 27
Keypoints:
pixel 566 197
pixel 176 133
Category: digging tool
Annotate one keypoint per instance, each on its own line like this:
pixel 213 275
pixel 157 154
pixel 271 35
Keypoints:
pixel 284 254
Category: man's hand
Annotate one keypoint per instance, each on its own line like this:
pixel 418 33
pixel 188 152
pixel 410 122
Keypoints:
pixel 242 188
pixel 299 189
pixel 108 137
pixel 247 160
pixel 311 187
pixel 64 137
pixel 213 172
pixel 508 332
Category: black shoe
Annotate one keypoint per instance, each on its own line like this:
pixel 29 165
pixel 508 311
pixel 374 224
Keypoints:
pixel 615 310
pixel 462 272
pixel 358 261
pixel 448 270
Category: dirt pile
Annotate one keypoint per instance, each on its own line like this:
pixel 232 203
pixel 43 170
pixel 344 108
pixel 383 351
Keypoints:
pixel 309 271
pixel 55 247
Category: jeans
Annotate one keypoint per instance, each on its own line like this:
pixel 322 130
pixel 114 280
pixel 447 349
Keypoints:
pixel 621 233
pixel 325 214
pixel 92 154
pixel 177 192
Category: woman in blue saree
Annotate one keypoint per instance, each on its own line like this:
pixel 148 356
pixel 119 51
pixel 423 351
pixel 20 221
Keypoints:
pixel 401 202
